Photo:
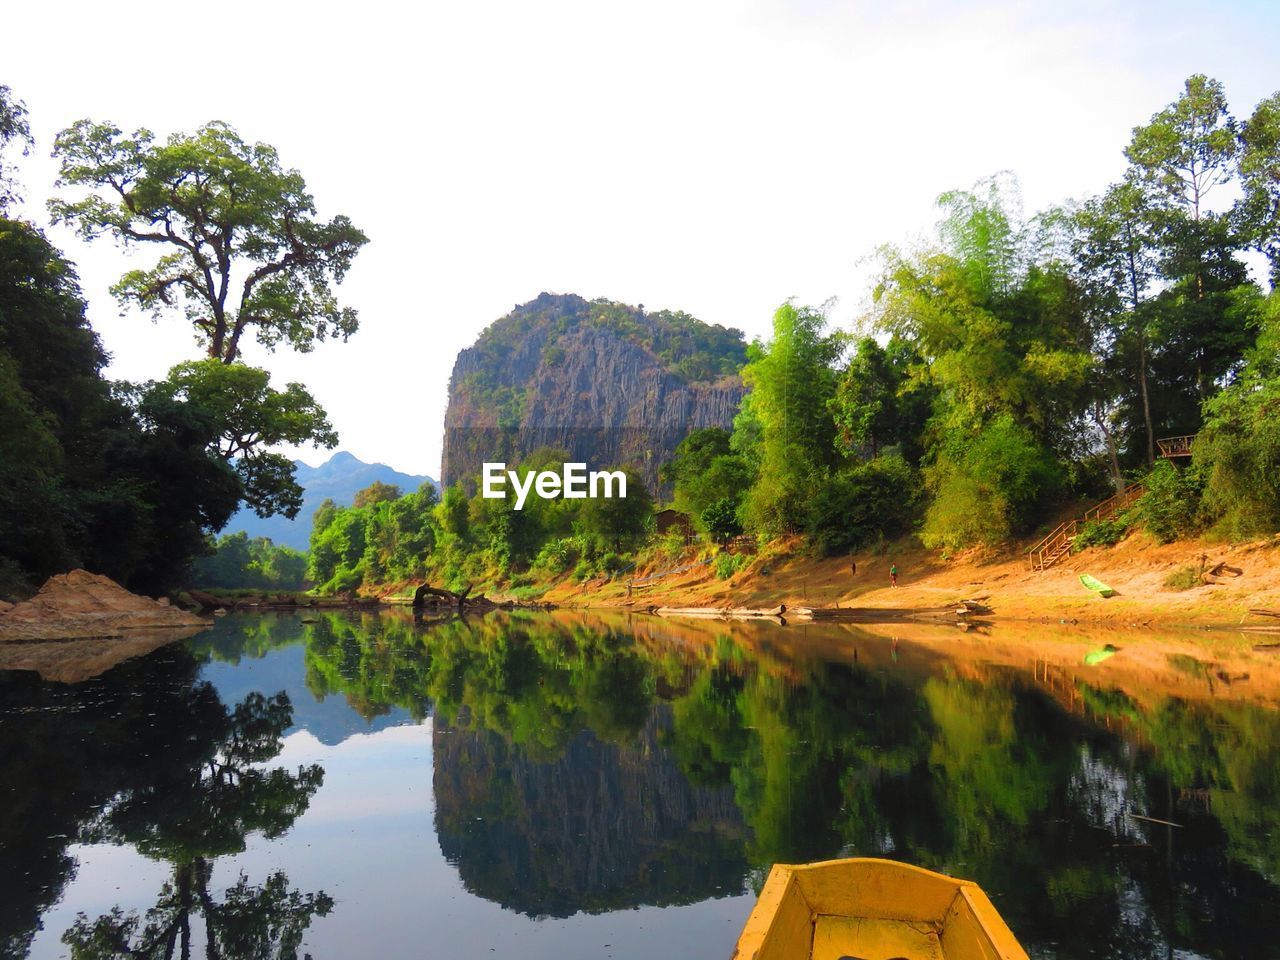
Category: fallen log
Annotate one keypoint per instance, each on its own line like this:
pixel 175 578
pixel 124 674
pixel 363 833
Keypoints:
pixel 722 613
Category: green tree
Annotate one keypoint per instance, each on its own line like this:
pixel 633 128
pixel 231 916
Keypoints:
pixel 14 128
pixel 1259 208
pixel 879 402
pixel 707 475
pixel 86 480
pixel 619 522
pixel 247 416
pixel 791 379
pixel 376 492
pixel 224 214
pixel 1187 151
pixel 1116 252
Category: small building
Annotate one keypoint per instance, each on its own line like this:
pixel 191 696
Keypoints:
pixel 669 521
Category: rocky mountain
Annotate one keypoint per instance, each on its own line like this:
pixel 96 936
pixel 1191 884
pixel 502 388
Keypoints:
pixel 337 479
pixel 609 383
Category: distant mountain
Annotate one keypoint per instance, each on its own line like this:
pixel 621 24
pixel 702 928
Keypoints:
pixel 609 383
pixel 337 479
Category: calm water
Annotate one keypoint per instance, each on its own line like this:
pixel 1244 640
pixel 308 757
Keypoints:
pixel 562 785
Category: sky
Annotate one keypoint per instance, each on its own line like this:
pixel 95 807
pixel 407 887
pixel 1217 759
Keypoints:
pixel 712 157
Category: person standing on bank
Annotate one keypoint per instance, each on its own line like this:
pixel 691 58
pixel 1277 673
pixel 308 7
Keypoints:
pixel 893 574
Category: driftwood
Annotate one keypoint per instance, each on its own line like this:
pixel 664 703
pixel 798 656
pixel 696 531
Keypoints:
pixel 723 613
pixel 438 602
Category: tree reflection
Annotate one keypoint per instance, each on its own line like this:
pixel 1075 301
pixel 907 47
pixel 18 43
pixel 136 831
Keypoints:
pixel 207 795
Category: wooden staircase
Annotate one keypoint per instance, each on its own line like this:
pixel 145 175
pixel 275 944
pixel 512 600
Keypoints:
pixel 1058 543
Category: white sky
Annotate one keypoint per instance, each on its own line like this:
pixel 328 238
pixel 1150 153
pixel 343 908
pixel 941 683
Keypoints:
pixel 715 157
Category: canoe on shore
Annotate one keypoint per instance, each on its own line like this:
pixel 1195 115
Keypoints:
pixel 1096 585
pixel 874 910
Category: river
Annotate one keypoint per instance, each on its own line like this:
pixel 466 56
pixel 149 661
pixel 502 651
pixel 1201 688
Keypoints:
pixel 601 785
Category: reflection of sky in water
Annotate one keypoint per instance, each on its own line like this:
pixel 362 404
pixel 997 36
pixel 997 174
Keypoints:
pixel 328 719
pixel 368 840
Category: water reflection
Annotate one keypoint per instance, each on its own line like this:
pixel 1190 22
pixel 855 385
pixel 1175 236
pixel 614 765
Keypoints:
pixel 149 756
pixel 584 764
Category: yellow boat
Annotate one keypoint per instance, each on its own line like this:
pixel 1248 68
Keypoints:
pixel 868 909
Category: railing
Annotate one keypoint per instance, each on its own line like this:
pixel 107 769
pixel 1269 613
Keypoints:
pixel 1058 543
pixel 1113 505
pixel 1176 446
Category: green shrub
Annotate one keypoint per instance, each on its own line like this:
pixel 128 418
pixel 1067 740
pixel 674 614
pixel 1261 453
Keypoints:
pixel 1169 508
pixel 727 564
pixel 863 504
pixel 1238 454
pixel 612 563
pixel 557 556
pixel 1101 533
pixel 1183 578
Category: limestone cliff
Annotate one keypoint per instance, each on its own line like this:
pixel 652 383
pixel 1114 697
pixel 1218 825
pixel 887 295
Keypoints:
pixel 608 383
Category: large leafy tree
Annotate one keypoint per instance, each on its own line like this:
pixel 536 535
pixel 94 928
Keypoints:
pixel 999 326
pixel 1189 150
pixel 241 248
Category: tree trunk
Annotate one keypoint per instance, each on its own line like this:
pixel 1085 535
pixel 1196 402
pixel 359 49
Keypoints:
pixel 1146 400
pixel 1117 478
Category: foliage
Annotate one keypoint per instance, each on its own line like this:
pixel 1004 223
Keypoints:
pixel 989 487
pixel 720 520
pixel 791 378
pixel 1101 533
pixel 618 523
pixel 1169 508
pixel 1238 450
pixel 222 211
pixel 236 563
pixel 14 128
pixel 727 564
pixel 862 504
pixel 1260 175
pixel 709 479
pixel 376 492
pixel 246 417
pixel 379 542
pixel 877 402
pixel 86 477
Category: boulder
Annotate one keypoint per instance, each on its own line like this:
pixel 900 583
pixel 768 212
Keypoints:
pixel 80 604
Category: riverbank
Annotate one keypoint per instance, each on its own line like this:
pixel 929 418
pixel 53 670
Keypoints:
pixel 1137 569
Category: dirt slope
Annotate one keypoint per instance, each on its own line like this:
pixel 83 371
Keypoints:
pixel 1135 568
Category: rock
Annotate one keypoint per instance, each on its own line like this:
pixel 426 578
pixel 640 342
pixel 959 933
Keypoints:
pixel 80 604
pixel 562 373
